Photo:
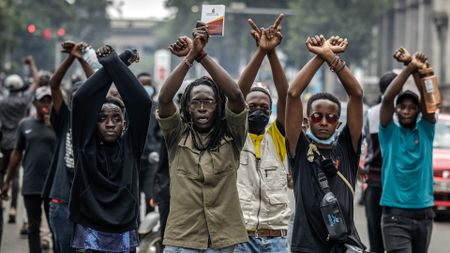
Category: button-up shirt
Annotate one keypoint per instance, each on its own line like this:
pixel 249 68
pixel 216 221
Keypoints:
pixel 204 205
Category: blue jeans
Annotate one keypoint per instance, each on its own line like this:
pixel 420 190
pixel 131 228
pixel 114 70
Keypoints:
pixel 62 227
pixel 172 249
pixel 264 244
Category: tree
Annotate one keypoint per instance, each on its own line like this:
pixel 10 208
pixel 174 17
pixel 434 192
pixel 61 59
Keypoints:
pixel 353 19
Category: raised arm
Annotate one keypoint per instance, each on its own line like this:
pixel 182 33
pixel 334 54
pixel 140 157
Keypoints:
pixel 351 86
pixel 294 106
pixel 387 105
pixel 137 102
pixel 55 80
pixel 87 102
pixel 31 63
pixel 236 102
pixel 183 47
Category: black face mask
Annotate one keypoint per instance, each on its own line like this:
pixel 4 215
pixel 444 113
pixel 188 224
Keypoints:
pixel 257 121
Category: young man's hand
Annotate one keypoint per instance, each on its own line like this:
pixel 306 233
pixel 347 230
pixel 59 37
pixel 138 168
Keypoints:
pixel 67 46
pixel 338 44
pixel 271 37
pixel 29 60
pixel 77 50
pixel 200 37
pixel 419 60
pixel 319 46
pixel 181 47
pixel 402 55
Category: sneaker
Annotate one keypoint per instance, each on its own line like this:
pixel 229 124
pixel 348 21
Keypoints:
pixel 24 229
pixel 12 216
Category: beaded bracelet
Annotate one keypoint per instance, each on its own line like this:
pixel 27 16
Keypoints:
pixel 201 55
pixel 337 64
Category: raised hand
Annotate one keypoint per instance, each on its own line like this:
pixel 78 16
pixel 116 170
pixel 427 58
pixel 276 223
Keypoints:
pixel 200 37
pixel 319 46
pixel 77 50
pixel 271 37
pixel 419 60
pixel 255 32
pixel 402 55
pixel 67 46
pixel 181 47
pixel 29 60
pixel 338 44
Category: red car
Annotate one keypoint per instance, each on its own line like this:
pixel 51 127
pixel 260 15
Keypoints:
pixel 441 163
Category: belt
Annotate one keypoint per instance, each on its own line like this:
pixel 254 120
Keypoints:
pixel 415 214
pixel 267 233
pixel 57 201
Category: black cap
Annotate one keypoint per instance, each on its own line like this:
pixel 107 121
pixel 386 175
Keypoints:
pixel 407 93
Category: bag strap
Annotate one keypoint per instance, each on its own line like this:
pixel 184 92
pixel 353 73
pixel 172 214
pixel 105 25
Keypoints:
pixel 312 150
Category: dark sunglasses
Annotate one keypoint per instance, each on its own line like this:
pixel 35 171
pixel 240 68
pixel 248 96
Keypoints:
pixel 316 117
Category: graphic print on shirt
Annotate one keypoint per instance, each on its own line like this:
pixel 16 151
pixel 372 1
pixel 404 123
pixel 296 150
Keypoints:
pixel 68 156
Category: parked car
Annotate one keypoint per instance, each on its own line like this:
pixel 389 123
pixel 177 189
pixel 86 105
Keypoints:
pixel 441 163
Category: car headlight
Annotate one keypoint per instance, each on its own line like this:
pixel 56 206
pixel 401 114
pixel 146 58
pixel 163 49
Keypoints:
pixel 445 174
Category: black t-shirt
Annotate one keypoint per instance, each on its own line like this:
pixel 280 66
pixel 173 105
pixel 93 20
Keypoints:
pixel 38 143
pixel 310 233
pixel 60 176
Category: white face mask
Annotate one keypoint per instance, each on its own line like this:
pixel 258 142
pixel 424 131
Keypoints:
pixel 328 141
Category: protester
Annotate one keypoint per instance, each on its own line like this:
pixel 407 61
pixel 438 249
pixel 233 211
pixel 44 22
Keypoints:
pixel 262 174
pixel 324 162
pixel 104 196
pixel 60 176
pixel 372 168
pixel 407 174
pixel 204 140
pixel 150 156
pixel 13 108
pixel 35 145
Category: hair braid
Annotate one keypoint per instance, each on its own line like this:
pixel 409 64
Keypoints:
pixel 219 127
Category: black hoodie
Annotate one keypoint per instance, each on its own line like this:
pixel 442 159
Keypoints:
pixel 105 189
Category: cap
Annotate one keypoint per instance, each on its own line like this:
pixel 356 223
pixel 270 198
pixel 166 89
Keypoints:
pixel 407 93
pixel 41 92
pixel 14 82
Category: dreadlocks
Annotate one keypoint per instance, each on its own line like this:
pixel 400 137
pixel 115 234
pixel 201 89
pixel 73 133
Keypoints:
pixel 219 127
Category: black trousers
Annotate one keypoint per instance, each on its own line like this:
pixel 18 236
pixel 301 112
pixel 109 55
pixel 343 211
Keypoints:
pixel 373 216
pixel 407 230
pixel 146 179
pixel 33 206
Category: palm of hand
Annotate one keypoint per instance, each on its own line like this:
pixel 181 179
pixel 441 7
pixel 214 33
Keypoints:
pixel 320 49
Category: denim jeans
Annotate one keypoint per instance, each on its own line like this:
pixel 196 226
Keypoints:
pixel 373 216
pixel 61 226
pixel 172 249
pixel 264 245
pixel 407 230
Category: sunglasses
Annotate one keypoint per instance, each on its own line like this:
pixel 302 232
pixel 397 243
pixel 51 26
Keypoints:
pixel 317 117
pixel 207 103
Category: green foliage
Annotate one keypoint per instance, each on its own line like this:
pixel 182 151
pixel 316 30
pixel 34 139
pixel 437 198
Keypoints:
pixel 85 20
pixel 352 19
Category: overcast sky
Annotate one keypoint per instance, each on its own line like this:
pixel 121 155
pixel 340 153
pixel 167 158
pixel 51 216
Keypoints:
pixel 140 9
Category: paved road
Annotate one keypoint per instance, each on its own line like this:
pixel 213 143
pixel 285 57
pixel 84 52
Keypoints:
pixel 440 242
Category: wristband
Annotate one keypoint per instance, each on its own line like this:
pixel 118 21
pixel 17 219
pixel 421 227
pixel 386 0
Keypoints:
pixel 201 55
pixel 407 62
pixel 186 61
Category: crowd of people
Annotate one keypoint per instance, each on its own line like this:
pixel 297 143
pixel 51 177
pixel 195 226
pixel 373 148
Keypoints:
pixel 219 170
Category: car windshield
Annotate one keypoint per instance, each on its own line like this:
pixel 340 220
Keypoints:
pixel 442 135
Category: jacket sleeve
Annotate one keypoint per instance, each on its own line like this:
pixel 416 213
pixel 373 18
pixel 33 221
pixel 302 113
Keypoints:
pixel 87 103
pixel 137 102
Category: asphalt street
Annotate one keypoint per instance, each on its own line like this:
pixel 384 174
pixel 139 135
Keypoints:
pixel 440 242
